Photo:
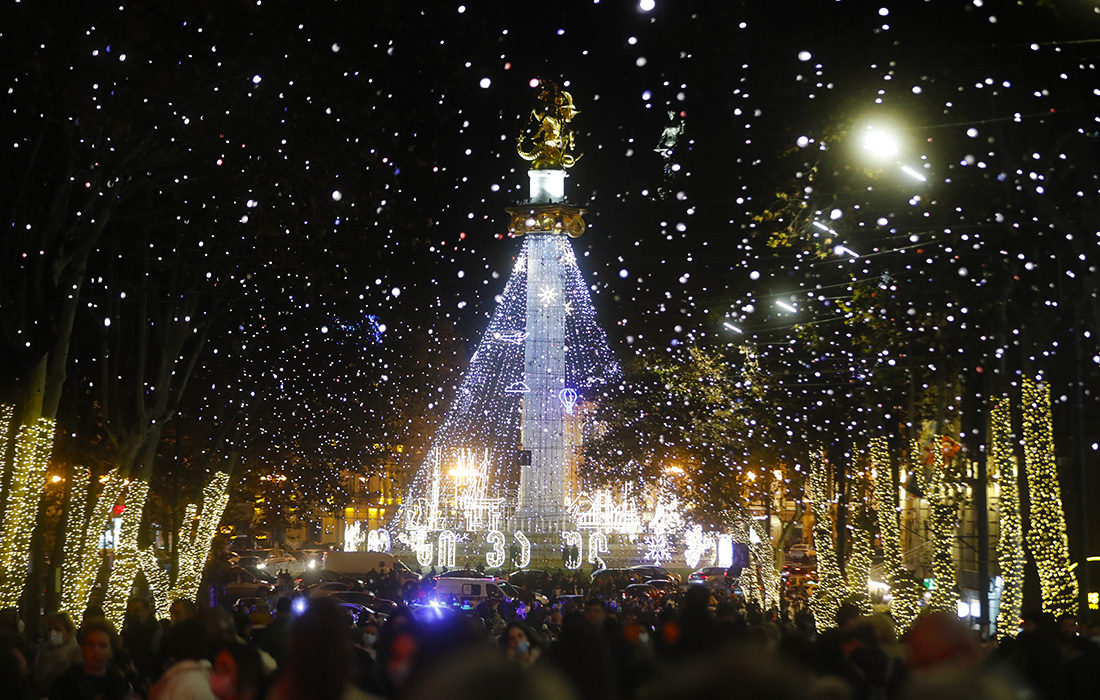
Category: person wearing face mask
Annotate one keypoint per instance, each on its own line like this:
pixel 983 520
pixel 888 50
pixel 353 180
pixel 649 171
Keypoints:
pixel 59 653
pixel 93 679
pixel 521 644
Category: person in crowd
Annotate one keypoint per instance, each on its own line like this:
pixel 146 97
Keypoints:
pixel 94 678
pixel 318 659
pixel 521 643
pixel 273 638
pixel 15 670
pixel 188 674
pixel 58 654
pixel 141 636
pixel 182 609
pixel 238 673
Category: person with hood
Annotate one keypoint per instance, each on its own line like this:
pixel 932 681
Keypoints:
pixel 60 652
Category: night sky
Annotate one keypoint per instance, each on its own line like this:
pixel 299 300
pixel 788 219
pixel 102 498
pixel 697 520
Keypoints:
pixel 343 168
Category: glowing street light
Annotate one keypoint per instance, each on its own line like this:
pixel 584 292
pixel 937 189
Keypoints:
pixel 880 143
pixel 883 144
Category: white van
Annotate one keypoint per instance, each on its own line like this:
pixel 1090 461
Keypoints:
pixel 362 563
pixel 472 590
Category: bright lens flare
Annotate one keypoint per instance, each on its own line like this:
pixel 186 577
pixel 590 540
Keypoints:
pixel 913 173
pixel 879 143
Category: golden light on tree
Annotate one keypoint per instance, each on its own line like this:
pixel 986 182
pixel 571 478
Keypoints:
pixel 1046 536
pixel 197 533
pixel 1010 541
pixel 905 594
pixel 33 445
pixel 830 589
pixel 83 557
pixel 858 569
pixel 127 558
pixel 941 504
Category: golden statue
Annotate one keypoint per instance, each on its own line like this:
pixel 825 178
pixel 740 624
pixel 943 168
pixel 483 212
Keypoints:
pixel 552 139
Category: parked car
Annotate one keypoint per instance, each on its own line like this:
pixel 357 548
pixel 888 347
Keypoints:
pixel 244 584
pixel 356 611
pixel 246 560
pixel 534 579
pixel 472 591
pixel 367 600
pixel 711 577
pixel 640 592
pixel 311 558
pixel 801 553
pixel 618 578
pixel 656 572
pixel 664 586
pixel 276 557
pixel 465 573
pixel 326 588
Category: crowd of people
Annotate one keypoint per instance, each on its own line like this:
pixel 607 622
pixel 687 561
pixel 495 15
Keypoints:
pixel 588 649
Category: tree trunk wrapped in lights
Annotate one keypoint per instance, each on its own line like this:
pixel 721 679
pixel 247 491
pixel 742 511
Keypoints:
pixel 763 556
pixel 830 589
pixel 84 526
pixel 942 523
pixel 33 445
pixel 1046 536
pixel 197 533
pixel 1010 544
pixel 858 570
pixel 127 559
pixel 904 591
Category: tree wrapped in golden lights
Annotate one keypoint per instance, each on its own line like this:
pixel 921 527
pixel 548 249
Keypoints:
pixel 904 591
pixel 941 504
pixel 84 526
pixel 33 445
pixel 1010 542
pixel 1046 536
pixel 197 533
pixel 761 580
pixel 857 572
pixel 127 559
pixel 830 589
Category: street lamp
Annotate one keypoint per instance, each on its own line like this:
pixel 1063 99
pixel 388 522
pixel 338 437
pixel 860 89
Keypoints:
pixel 883 144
